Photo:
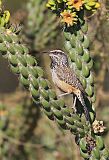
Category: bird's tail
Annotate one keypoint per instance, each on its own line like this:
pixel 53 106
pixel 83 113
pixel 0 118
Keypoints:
pixel 81 99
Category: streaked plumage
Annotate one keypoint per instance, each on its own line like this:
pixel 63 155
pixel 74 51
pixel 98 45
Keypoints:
pixel 65 78
pixel 67 75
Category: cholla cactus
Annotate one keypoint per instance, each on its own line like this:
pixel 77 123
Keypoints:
pixel 77 46
pixel 17 127
pixel 32 77
pixel 4 123
pixel 38 20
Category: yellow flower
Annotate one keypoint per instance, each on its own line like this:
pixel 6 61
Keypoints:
pixel 69 17
pixel 77 4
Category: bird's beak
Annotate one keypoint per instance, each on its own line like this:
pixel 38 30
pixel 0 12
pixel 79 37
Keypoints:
pixel 49 53
pixel 45 52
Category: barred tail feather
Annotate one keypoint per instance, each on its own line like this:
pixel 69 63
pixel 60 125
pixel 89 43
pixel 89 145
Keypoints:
pixel 81 99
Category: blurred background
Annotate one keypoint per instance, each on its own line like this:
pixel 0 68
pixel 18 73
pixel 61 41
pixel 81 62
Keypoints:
pixel 27 134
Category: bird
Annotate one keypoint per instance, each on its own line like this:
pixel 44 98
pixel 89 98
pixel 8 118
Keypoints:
pixel 66 79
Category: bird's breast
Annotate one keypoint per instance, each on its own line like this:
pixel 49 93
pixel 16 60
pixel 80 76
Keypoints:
pixel 61 84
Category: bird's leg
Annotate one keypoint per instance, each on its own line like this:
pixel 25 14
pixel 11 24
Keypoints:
pixel 64 94
pixel 74 104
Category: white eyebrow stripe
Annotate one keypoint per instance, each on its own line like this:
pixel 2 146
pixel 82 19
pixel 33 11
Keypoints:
pixel 52 55
pixel 56 51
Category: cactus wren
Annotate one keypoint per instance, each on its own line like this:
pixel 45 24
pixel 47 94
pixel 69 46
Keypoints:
pixel 65 78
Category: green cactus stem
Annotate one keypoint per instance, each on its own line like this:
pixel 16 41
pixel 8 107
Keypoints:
pixel 37 31
pixel 32 77
pixel 77 47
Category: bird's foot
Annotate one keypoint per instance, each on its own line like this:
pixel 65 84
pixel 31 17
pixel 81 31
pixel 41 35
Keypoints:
pixel 74 105
pixel 64 94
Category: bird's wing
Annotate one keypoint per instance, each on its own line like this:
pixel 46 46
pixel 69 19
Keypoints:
pixel 68 75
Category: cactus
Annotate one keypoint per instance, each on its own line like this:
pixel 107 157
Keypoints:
pixel 77 46
pixel 4 123
pixel 17 130
pixel 32 77
pixel 37 31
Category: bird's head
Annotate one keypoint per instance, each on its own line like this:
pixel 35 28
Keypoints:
pixel 58 58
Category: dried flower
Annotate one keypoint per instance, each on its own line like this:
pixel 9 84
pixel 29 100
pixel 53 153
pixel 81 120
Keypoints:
pixel 98 126
pixel 91 143
pixel 69 17
pixel 77 4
